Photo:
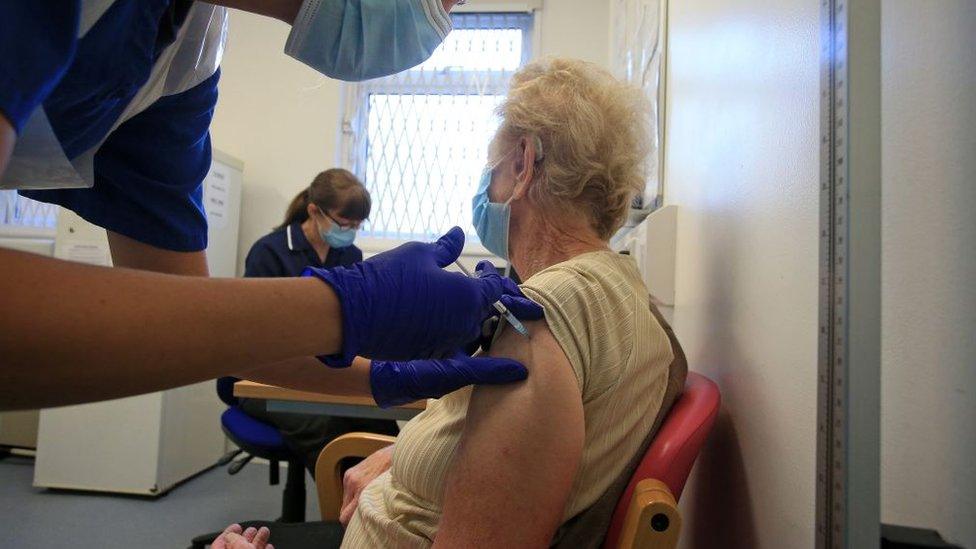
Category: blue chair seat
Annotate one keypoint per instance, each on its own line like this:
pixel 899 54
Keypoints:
pixel 255 438
pixel 249 432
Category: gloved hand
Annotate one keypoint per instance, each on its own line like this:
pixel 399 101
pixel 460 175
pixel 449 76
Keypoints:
pixel 518 304
pixel 395 383
pixel 402 304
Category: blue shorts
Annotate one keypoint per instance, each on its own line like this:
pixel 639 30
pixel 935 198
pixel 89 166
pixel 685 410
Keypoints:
pixel 149 170
pixel 148 174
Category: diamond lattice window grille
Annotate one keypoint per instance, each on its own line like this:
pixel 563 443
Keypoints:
pixel 19 212
pixel 418 139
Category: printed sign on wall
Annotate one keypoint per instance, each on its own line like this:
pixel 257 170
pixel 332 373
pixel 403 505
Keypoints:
pixel 216 195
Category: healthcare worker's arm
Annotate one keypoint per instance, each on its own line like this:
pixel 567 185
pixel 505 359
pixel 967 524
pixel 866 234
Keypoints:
pixel 307 374
pixel 520 451
pixel 7 140
pixel 74 333
pixel 130 253
pixel 390 383
pixel 284 10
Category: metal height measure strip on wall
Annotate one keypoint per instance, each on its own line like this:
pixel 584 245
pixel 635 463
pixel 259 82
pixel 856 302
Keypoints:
pixel 849 373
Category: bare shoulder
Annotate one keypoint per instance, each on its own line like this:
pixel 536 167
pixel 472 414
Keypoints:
pixel 511 344
pixel 540 352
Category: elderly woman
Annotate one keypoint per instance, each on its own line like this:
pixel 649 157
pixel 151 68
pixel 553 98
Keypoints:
pixel 507 466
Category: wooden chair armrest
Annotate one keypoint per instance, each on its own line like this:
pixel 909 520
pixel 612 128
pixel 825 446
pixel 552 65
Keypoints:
pixel 328 477
pixel 653 520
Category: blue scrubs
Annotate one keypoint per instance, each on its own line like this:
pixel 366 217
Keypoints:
pixel 286 252
pixel 148 172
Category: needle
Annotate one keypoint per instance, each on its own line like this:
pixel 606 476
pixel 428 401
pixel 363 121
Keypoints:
pixel 463 269
pixel 519 327
pixel 506 314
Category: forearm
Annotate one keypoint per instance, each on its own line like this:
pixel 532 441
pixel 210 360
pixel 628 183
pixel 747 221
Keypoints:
pixel 283 10
pixel 73 333
pixel 7 139
pixel 308 374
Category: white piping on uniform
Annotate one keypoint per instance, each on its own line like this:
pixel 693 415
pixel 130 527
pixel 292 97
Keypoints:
pixel 288 230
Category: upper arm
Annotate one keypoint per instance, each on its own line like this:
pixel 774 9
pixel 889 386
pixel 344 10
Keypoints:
pixel 520 451
pixel 283 10
pixel 308 374
pixel 7 140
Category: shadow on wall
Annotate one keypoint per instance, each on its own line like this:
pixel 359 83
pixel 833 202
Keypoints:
pixel 722 505
pixel 719 506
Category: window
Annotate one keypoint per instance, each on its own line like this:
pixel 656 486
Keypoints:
pixel 18 213
pixel 419 139
pixel 638 28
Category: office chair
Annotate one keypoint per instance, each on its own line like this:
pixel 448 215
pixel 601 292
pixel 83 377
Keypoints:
pixel 255 438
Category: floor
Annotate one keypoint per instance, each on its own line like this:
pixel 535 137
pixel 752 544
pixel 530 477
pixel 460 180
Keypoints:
pixel 36 518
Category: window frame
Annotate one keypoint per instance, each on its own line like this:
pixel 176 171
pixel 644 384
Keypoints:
pixel 30 230
pixel 354 116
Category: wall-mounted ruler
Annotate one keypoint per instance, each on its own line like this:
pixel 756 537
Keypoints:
pixel 848 407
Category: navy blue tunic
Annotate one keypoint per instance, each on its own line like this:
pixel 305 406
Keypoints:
pixel 286 252
pixel 148 171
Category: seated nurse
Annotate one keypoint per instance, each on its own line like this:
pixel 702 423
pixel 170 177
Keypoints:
pixel 508 466
pixel 319 229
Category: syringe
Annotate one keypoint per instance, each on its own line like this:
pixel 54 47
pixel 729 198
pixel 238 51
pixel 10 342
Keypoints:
pixel 502 309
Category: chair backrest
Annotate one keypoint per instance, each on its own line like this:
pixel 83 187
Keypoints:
pixel 225 390
pixel 588 529
pixel 673 451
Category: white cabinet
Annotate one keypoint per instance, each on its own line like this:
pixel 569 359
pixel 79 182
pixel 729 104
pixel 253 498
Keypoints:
pixel 653 245
pixel 137 445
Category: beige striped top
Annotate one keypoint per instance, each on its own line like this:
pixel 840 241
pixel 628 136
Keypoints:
pixel 596 306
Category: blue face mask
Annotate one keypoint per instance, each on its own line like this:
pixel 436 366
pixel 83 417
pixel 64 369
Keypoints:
pixel 491 218
pixel 337 237
pixel 356 40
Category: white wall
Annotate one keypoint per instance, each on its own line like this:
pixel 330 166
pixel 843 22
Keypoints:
pixel 281 118
pixel 576 28
pixel 277 116
pixel 929 266
pixel 742 166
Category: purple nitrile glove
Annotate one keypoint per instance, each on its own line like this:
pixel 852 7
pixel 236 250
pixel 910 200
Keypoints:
pixel 395 383
pixel 402 304
pixel 518 304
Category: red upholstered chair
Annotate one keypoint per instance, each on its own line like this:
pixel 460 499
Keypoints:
pixel 647 514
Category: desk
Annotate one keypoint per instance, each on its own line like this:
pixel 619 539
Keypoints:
pixel 280 399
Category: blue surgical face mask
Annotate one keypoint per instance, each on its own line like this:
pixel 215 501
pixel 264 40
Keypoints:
pixel 491 219
pixel 337 237
pixel 356 40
